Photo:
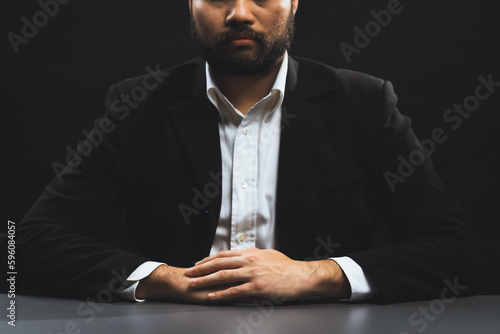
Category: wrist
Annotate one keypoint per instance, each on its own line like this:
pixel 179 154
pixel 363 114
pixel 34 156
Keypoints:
pixel 160 284
pixel 328 280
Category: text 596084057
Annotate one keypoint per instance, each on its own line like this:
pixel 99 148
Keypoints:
pixel 11 273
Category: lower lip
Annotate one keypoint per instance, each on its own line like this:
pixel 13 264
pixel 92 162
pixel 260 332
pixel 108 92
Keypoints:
pixel 243 42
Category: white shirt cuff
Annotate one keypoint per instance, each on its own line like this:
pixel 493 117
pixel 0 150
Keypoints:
pixel 143 271
pixel 362 287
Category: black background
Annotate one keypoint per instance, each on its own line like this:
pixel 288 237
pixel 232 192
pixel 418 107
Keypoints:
pixel 433 52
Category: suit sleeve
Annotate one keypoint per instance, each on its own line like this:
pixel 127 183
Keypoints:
pixel 434 247
pixel 57 249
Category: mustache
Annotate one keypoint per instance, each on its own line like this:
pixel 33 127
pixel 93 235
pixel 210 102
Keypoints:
pixel 239 32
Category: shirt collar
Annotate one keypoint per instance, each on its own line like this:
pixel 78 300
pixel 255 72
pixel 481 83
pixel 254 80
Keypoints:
pixel 214 94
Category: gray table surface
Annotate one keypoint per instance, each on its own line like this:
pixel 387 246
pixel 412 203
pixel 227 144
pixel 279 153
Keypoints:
pixel 475 315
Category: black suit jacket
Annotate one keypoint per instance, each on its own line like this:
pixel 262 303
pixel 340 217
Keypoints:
pixel 341 132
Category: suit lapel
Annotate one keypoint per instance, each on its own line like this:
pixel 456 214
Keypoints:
pixel 303 122
pixel 196 121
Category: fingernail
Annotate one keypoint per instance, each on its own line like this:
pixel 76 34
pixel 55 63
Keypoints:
pixel 211 295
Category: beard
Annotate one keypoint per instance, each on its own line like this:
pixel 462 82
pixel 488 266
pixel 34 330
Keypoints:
pixel 259 59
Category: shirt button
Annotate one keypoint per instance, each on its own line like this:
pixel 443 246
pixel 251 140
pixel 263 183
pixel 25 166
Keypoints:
pixel 242 237
pixel 245 131
pixel 243 185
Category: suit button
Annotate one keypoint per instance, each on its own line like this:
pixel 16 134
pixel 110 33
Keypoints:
pixel 242 237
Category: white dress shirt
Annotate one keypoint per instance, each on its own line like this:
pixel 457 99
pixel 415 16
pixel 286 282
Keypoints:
pixel 250 150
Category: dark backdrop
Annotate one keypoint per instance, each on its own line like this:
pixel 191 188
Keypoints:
pixel 432 51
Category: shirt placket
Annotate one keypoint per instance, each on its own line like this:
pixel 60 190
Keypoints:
pixel 244 192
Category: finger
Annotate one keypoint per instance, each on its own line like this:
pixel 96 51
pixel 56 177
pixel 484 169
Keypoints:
pixel 213 266
pixel 221 254
pixel 239 292
pixel 221 277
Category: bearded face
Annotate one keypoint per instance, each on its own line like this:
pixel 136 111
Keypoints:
pixel 239 50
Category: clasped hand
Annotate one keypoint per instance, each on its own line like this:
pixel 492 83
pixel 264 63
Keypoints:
pixel 255 273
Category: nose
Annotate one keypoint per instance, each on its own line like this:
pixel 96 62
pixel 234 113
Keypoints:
pixel 240 13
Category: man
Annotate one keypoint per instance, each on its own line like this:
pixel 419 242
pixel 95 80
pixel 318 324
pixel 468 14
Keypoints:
pixel 251 175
